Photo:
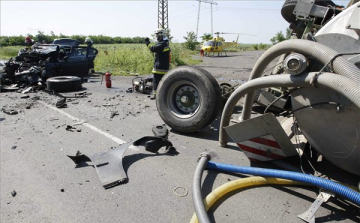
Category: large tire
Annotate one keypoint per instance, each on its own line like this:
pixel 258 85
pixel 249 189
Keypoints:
pixel 217 89
pixel 187 99
pixel 64 83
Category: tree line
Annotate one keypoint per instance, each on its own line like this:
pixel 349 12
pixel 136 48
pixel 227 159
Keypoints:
pixel 42 37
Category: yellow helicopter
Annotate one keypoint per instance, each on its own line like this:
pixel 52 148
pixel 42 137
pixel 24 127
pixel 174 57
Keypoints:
pixel 218 45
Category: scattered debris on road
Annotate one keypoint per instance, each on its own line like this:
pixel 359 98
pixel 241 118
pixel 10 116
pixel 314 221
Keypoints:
pixel 61 103
pixel 108 164
pixel 113 114
pixel 13 193
pixel 184 194
pixel 72 129
pixel 9 111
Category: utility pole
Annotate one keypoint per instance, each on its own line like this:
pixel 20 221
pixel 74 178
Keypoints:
pixel 211 2
pixel 163 21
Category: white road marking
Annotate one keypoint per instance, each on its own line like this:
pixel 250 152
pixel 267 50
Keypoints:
pixel 107 135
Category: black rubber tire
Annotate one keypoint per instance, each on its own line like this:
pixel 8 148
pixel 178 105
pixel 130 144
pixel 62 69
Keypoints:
pixel 289 6
pixel 64 83
pixel 208 99
pixel 287 11
pixel 218 100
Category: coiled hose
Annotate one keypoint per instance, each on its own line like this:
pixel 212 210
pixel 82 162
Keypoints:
pixel 196 189
pixel 341 84
pixel 336 188
pixel 308 48
pixel 224 189
pixel 292 178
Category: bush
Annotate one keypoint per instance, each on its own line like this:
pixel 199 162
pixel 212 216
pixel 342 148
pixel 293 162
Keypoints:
pixel 191 42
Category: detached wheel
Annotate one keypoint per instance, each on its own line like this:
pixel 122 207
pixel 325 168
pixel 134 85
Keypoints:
pixel 188 99
pixel 217 89
pixel 64 83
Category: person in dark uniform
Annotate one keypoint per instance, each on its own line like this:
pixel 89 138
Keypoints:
pixel 89 53
pixel 162 57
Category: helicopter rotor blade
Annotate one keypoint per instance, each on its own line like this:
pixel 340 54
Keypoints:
pixel 236 33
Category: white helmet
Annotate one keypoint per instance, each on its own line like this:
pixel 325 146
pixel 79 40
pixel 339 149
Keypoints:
pixel 160 32
pixel 88 40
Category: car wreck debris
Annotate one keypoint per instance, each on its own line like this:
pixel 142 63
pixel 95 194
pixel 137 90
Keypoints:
pixel 64 84
pixel 27 90
pixel 9 111
pixel 72 129
pixel 36 65
pixel 142 85
pixel 13 193
pixel 113 114
pixel 109 166
pixel 61 103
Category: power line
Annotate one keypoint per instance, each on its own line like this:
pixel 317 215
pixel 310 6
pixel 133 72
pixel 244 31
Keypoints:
pixel 211 2
pixel 250 9
pixel 19 9
pixel 143 20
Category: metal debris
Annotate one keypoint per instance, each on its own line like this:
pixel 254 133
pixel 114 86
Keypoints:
pixel 114 113
pixel 9 111
pixel 70 128
pixel 109 165
pixel 61 103
pixel 26 90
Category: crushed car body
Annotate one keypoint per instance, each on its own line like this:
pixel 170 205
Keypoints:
pixel 41 62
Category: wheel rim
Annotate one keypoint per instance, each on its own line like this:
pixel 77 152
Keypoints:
pixel 184 99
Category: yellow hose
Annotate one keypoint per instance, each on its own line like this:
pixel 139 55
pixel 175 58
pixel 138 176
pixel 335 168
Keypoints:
pixel 219 192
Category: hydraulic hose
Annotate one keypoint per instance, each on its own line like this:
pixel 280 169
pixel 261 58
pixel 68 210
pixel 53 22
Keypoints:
pixel 340 84
pixel 224 189
pixel 336 188
pixel 196 189
pixel 308 48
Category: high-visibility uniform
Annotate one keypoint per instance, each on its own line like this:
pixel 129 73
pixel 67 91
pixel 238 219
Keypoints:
pixel 161 61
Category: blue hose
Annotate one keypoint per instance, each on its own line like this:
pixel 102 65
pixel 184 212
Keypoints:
pixel 336 188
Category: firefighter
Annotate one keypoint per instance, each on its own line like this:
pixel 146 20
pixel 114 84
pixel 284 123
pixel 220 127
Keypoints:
pixel 162 57
pixel 88 42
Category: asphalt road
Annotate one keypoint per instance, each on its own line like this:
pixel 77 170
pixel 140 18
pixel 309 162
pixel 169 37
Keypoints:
pixel 49 188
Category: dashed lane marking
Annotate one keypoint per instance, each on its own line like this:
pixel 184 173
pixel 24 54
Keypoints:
pixel 107 135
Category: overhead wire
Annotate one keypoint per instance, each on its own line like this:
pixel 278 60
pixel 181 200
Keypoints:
pixel 18 9
pixel 249 9
pixel 142 21
pixel 178 17
pixel 32 10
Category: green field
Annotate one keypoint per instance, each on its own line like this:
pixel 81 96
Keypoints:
pixel 130 59
pixel 124 59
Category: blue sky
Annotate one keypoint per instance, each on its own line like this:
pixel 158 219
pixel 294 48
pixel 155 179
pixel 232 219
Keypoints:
pixel 139 18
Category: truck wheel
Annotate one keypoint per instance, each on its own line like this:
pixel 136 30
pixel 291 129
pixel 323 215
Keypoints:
pixel 64 83
pixel 187 99
pixel 217 88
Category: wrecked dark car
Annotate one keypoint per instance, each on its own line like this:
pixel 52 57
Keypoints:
pixel 45 61
pixel 66 42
